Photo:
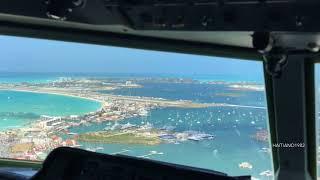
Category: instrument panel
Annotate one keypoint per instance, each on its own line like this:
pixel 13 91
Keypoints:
pixel 76 164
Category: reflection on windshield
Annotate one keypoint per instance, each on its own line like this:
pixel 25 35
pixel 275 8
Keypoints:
pixel 189 114
pixel 28 172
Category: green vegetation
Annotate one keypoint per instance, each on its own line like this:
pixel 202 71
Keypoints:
pixel 119 138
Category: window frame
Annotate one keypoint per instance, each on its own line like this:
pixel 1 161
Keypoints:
pixel 300 74
pixel 305 78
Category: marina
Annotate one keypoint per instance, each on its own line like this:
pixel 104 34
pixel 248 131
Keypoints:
pixel 157 127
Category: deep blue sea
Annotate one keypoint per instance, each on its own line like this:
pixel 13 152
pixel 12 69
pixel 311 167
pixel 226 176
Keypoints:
pixel 17 77
pixel 199 92
pixel 232 126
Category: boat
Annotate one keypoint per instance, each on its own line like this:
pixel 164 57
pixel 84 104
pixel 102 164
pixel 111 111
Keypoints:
pixel 99 148
pixel 127 126
pixel 106 128
pixel 167 137
pixel 245 165
pixel 143 112
pixel 71 133
pixel 91 149
pixel 147 126
pixel 200 136
pixel 168 128
pixel 116 126
pixel 267 173
pixel 194 138
pixel 77 145
pixel 265 150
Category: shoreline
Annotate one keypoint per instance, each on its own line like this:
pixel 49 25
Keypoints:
pixel 29 124
pixel 161 102
pixel 63 138
pixel 72 93
pixel 54 93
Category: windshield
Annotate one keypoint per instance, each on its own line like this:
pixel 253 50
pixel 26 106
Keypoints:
pixel 199 111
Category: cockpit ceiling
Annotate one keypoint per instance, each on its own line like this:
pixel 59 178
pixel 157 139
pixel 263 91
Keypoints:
pixel 230 23
pixel 233 38
pixel 292 40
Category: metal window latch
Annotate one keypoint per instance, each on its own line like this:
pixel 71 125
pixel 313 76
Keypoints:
pixel 60 9
pixel 275 61
pixel 275 58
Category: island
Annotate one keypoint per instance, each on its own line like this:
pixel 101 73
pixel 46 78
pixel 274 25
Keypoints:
pixel 36 139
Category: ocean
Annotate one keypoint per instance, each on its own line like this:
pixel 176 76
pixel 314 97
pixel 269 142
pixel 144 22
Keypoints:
pixel 17 109
pixel 231 126
pixel 18 77
pixel 231 146
pixel 196 92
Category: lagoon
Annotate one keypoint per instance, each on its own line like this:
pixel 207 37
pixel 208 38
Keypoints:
pixel 20 108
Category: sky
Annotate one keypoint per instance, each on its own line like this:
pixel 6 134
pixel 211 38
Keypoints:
pixel 34 55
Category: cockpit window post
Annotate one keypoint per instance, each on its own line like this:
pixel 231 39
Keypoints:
pixel 292 119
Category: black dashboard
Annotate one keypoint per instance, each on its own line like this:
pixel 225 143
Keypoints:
pixel 75 164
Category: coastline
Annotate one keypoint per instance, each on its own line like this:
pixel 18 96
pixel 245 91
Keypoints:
pixel 56 140
pixel 159 102
pixel 55 93
pixel 29 124
pixel 101 97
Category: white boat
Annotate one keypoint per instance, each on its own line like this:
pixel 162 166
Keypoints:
pixel 99 148
pixel 77 145
pixel 245 165
pixel 194 138
pixel 71 133
pixel 143 112
pixel 199 136
pixel 127 126
pixel 168 128
pixel 267 173
pixel 91 149
pixel 167 136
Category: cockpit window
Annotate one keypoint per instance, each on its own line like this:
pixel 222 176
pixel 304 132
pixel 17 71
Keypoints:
pixel 199 111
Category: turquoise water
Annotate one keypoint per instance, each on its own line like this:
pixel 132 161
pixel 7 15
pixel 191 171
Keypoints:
pixel 19 108
pixel 231 126
pixel 231 146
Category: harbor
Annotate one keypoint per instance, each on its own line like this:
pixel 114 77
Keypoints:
pixel 153 127
pixel 36 139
